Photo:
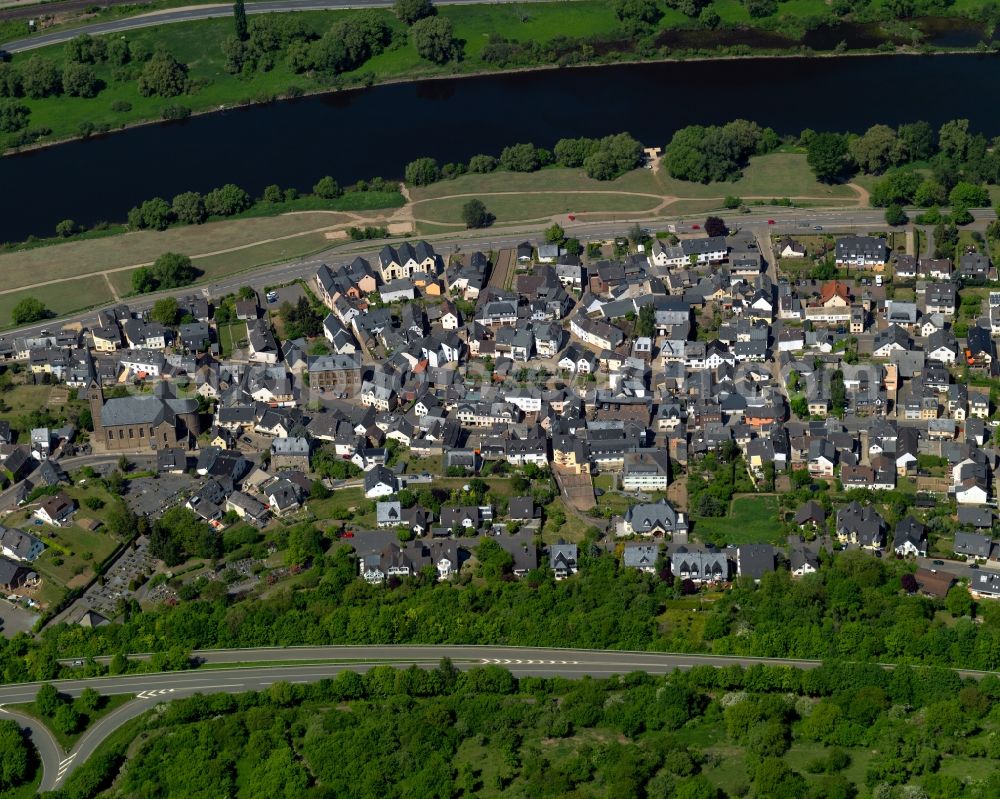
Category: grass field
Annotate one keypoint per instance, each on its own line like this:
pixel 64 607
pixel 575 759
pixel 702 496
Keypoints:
pixel 86 257
pixel 769 176
pixel 513 207
pixel 751 520
pixel 230 335
pixel 549 179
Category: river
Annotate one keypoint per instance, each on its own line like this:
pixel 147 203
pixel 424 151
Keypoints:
pixel 357 134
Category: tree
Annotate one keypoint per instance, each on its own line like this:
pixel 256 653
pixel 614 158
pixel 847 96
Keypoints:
pixel 80 80
pixel 163 75
pixel 646 323
pixel 47 700
pixel 410 11
pixel 171 270
pixel 929 193
pixel 482 164
pixel 154 214
pixel 475 215
pixel 305 542
pixel 40 78
pixel 434 38
pixel 637 11
pixel 968 195
pixel 327 188
pixel 85 49
pixel 958 601
pixel 66 228
pixel 13 755
pixel 520 158
pixel 827 156
pixel 28 310
pixel 917 139
pixel 240 20
pixel 90 700
pixel 877 150
pixel 227 200
pixel 909 583
pixel 421 172
pixel 189 208
pixel 66 719
pixel 953 138
pixel 895 215
pixel 714 226
pixel 273 194
pixel 13 116
pixel 731 202
pixel 165 311
pixel 143 280
pixel 555 234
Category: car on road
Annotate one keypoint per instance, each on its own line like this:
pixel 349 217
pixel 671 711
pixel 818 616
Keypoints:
pixel 939 563
pixel 695 227
pixel 770 221
pixel 973 565
pixel 817 227
pixel 247 440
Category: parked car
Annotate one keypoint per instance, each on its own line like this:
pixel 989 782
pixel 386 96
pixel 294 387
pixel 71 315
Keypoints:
pixel 817 227
pixel 770 221
pixel 939 563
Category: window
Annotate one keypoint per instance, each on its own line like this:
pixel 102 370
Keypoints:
pixel 131 433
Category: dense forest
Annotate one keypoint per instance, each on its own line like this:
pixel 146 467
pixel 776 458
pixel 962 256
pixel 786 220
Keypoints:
pixel 855 607
pixel 832 733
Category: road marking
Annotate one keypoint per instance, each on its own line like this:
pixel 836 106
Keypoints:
pixel 508 662
pixel 154 694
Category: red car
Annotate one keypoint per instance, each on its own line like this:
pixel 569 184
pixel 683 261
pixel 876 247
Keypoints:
pixel 572 218
pixel 770 221
pixel 695 227
pixel 347 534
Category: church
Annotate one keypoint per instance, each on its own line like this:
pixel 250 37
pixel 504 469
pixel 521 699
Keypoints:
pixel 155 420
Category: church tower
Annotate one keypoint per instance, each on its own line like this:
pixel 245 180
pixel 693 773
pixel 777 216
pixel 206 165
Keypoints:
pixel 96 407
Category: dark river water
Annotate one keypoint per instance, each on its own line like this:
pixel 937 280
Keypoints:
pixel 358 134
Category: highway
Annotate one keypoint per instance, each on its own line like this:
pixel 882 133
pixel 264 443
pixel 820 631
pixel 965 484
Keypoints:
pixel 232 675
pixel 190 14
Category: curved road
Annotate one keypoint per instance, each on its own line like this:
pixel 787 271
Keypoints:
pixel 200 12
pixel 234 675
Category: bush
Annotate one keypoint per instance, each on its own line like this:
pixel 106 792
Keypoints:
pixel 172 112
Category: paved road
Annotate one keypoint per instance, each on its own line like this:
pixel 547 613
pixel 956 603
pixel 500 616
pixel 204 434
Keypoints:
pixel 789 221
pixel 153 688
pixel 184 15
pixel 49 752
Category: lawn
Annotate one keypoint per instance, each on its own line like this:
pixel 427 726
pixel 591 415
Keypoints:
pixel 230 335
pixel 751 520
pixel 65 558
pixel 78 258
pixel 59 298
pixel 550 179
pixel 769 176
pixel 512 207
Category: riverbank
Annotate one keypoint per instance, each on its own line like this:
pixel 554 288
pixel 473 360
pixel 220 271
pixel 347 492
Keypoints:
pixel 119 105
